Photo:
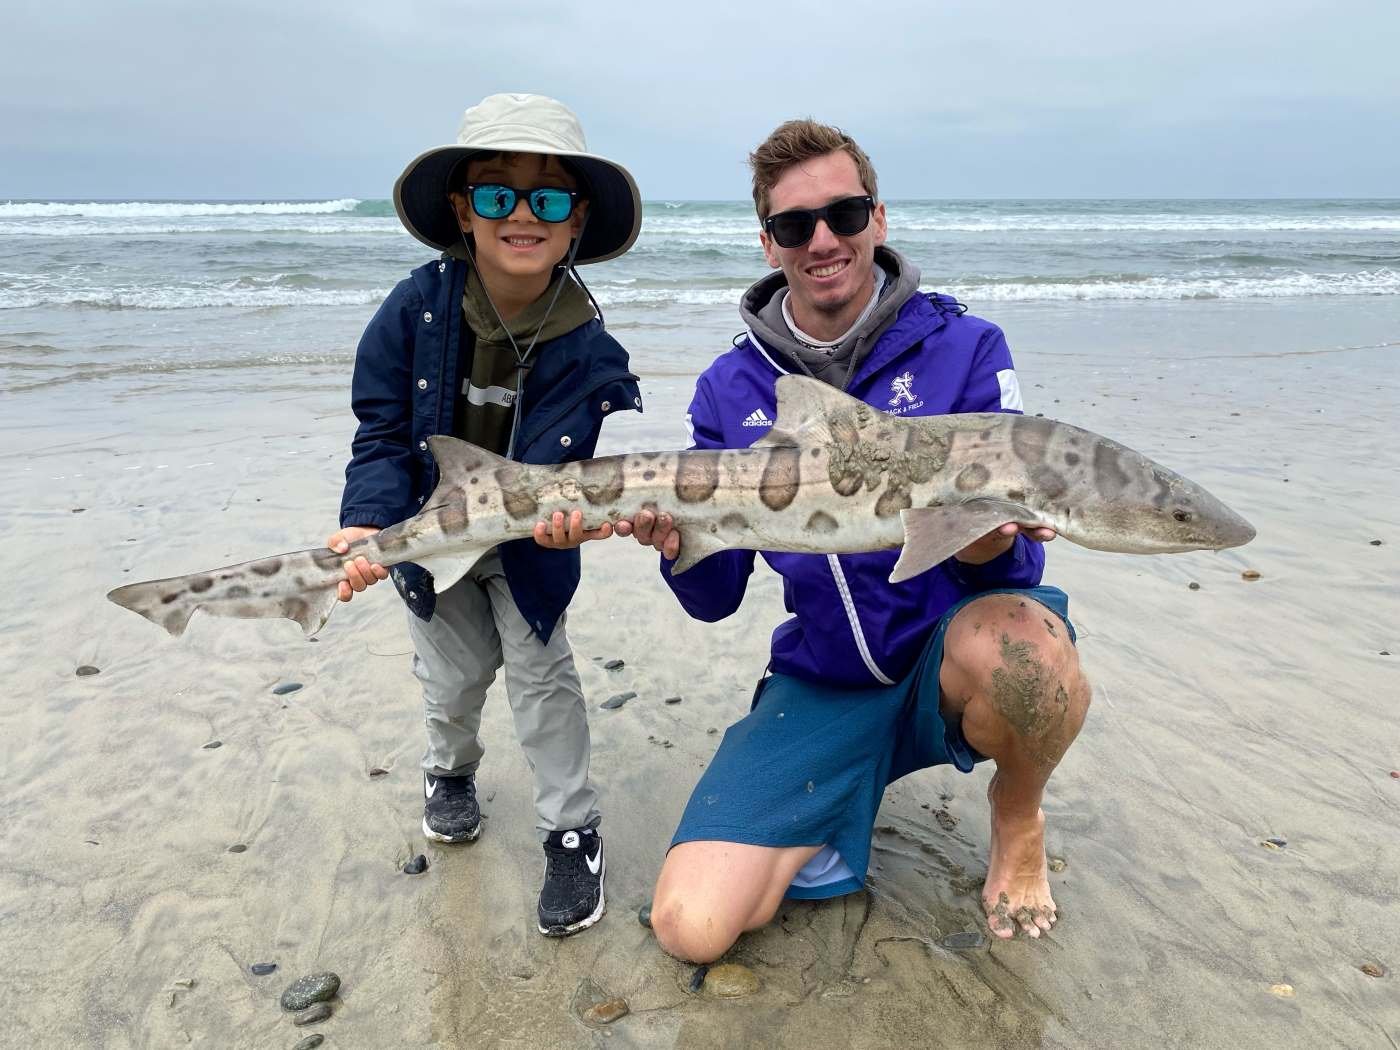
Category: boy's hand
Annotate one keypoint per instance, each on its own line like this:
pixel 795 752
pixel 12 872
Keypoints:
pixel 653 530
pixel 359 572
pixel 999 541
pixel 560 536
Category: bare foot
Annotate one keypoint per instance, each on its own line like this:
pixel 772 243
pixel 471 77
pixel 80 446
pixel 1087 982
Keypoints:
pixel 1017 891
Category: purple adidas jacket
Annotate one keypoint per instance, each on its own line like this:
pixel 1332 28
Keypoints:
pixel 851 626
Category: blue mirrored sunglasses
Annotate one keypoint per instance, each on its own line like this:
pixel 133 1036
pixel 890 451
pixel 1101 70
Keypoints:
pixel 491 200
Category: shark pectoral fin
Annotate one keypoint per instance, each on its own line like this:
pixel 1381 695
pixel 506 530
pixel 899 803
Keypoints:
pixel 447 569
pixel 695 547
pixel 934 534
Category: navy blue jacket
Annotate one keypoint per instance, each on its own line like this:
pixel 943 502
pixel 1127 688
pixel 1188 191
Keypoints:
pixel 406 371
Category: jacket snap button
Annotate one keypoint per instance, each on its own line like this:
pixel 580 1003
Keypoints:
pixel 427 317
pixel 441 267
pixel 413 596
pixel 605 405
pixel 566 441
pixel 423 445
pixel 422 384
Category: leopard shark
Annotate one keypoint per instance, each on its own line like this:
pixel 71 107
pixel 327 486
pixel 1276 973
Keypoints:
pixel 834 475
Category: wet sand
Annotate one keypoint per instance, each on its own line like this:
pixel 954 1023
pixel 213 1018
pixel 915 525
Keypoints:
pixel 1223 716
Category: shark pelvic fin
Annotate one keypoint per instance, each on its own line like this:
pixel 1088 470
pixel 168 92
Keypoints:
pixel 447 569
pixel 934 534
pixel 696 546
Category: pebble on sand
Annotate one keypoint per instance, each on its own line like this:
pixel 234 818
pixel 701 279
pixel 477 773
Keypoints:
pixel 606 1012
pixel 672 700
pixel 1057 864
pixel 1373 969
pixel 697 979
pixel 614 702
pixel 1283 991
pixel 964 941
pixel 644 915
pixel 1395 774
pixel 285 688
pixel 1250 574
pixel 1194 585
pixel 314 1014
pixel 1375 543
pixel 311 1042
pixel 238 847
pixel 87 670
pixel 1274 843
pixel 262 969
pixel 378 771
pixel 313 988
pixel 613 665
pixel 730 981
pixel 416 866
pixel 212 745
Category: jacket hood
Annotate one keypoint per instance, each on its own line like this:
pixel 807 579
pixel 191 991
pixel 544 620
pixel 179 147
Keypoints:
pixel 761 311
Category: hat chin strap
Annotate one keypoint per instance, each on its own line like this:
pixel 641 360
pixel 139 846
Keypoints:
pixel 522 361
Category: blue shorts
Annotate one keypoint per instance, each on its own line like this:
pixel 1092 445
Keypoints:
pixel 809 764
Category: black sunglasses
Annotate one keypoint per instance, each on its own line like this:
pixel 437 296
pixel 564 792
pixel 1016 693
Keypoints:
pixel 845 218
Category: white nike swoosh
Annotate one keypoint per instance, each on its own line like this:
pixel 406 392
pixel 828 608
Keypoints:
pixel 429 788
pixel 596 861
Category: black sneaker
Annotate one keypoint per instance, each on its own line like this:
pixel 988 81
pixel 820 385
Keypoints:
pixel 572 898
pixel 450 812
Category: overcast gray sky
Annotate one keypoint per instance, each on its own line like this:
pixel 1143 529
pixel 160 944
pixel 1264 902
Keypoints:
pixel 251 98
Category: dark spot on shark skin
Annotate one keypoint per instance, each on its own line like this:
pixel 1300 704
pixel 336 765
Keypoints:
pixel 1109 475
pixel 515 493
pixel 170 598
pixel 651 455
pixel 1029 437
pixel 200 584
pixel 237 591
pixel 602 480
pixel 1071 459
pixel 452 518
pixel 325 558
pixel 972 477
pixel 734 522
pixel 697 477
pixel 267 567
pixel 648 475
pixel 782 477
pixel 1050 483
pixel 1016 495
pixel 295 608
pixel 892 501
pixel 482 499
pixel 175 622
pixel 1163 493
pixel 822 523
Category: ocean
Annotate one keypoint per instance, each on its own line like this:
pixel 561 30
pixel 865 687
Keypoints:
pixel 94 290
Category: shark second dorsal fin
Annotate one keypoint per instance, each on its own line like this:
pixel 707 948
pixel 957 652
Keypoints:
pixel 458 460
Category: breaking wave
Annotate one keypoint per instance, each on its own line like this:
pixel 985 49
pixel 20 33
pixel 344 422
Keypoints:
pixel 168 209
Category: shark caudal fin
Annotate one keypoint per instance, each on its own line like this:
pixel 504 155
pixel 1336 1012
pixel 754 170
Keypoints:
pixel 934 534
pixel 246 592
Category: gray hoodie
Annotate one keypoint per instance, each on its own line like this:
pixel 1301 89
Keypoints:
pixel 762 310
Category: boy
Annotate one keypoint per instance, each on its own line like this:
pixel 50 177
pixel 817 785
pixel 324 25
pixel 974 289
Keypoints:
pixel 497 343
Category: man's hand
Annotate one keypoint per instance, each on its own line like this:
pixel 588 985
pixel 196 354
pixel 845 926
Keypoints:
pixel 359 572
pixel 999 541
pixel 653 530
pixel 559 536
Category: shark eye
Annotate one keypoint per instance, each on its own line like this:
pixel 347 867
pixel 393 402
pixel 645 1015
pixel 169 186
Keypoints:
pixel 1181 515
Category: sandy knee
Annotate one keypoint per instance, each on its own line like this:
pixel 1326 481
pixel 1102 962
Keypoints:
pixel 689 932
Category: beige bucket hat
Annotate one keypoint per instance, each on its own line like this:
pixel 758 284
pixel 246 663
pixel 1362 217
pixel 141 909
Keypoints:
pixel 521 124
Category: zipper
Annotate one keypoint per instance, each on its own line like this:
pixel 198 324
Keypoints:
pixel 560 413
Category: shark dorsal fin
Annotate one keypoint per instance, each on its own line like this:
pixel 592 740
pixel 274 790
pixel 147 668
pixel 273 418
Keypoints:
pixel 805 409
pixel 458 460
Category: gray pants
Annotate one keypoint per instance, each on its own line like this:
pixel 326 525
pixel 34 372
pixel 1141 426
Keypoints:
pixel 476 629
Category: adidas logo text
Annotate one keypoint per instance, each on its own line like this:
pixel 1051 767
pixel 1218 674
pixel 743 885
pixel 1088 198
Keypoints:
pixel 756 418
